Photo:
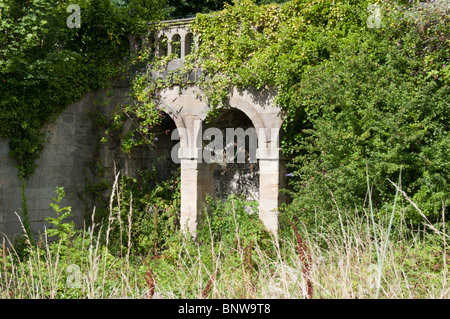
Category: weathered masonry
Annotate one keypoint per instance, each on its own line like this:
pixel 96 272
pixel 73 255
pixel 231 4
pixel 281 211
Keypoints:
pixel 187 111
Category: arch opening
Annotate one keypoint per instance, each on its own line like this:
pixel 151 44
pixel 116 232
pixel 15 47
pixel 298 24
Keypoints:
pixel 159 159
pixel 236 169
pixel 176 45
pixel 162 47
pixel 153 162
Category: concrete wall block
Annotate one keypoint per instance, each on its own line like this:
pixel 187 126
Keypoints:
pixel 72 143
pixel 9 180
pixel 83 120
pixel 11 217
pixel 39 216
pixel 12 229
pixel 4 148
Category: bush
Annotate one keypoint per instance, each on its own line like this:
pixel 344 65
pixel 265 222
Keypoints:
pixel 152 207
pixel 382 108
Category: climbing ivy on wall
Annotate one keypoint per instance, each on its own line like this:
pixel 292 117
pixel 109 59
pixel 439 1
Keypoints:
pixel 44 65
pixel 357 96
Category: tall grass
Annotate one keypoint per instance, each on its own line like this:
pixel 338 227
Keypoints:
pixel 323 262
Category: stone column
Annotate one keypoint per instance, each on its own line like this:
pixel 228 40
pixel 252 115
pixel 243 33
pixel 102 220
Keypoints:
pixel 182 48
pixel 195 175
pixel 169 45
pixel 189 195
pixel 195 185
pixel 157 46
pixel 269 187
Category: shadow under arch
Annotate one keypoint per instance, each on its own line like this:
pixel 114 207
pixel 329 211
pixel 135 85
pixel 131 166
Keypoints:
pixel 179 124
pixel 238 176
pixel 154 159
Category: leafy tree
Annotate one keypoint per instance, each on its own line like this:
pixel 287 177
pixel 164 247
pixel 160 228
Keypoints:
pixel 45 66
pixel 184 8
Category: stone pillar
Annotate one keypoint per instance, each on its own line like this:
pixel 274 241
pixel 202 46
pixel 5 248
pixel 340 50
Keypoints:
pixel 169 44
pixel 189 195
pixel 183 48
pixel 195 175
pixel 195 185
pixel 157 46
pixel 269 187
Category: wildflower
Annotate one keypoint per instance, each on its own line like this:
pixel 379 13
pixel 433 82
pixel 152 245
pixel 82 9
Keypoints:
pixel 289 175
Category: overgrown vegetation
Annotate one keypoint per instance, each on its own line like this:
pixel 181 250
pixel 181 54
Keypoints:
pixel 44 65
pixel 355 96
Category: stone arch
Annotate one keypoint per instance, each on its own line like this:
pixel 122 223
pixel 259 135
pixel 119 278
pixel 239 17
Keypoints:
pixel 237 169
pixel 253 115
pixel 179 122
pixel 175 45
pixel 160 158
pixel 157 157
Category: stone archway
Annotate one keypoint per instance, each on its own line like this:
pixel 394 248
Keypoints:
pixel 197 177
pixel 237 171
pixel 157 157
pixel 267 120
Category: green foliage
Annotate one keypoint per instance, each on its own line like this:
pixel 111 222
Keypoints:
pixel 63 230
pixel 146 217
pixel 383 105
pixel 380 106
pixel 358 100
pixel 138 13
pixel 44 65
pixel 353 95
pixel 184 8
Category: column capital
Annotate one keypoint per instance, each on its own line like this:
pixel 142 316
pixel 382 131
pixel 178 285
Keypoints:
pixel 268 153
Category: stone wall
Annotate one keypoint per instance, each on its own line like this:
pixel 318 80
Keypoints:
pixel 71 145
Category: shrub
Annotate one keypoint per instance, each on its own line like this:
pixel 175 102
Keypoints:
pixel 382 107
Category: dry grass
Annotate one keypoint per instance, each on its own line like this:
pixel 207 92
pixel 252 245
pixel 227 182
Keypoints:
pixel 323 262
